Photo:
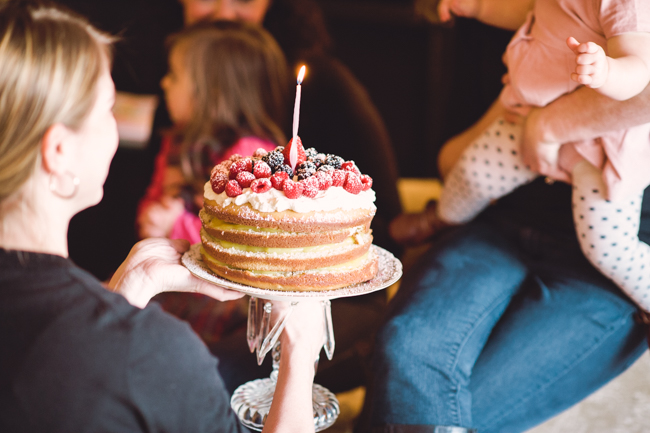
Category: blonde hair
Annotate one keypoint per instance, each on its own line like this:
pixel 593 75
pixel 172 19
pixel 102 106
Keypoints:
pixel 241 82
pixel 50 61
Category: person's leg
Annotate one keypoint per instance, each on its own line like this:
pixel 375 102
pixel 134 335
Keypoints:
pixel 440 319
pixel 608 232
pixel 489 168
pixel 568 332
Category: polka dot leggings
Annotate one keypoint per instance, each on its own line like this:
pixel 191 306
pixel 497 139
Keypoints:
pixel 488 169
pixel 492 167
pixel 608 232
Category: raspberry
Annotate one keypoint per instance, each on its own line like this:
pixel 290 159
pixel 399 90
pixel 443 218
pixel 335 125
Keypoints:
pixel 338 177
pixel 219 168
pixel 260 152
pixel 334 160
pixel 219 184
pixel 261 169
pixel 350 166
pixel 292 189
pixel 233 189
pixel 353 183
pixel 285 168
pixel 244 178
pixel 278 178
pixel 300 152
pixel 366 181
pixel 324 180
pixel 305 170
pixel 260 185
pixel 310 187
pixel 245 164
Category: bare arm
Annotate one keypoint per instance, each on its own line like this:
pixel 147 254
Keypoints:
pixel 455 146
pixel 505 14
pixel 585 114
pixel 621 75
pixel 301 341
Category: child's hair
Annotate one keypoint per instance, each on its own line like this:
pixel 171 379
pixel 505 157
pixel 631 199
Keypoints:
pixel 50 62
pixel 240 84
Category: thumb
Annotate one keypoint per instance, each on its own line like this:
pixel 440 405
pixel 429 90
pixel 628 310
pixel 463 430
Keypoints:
pixel 573 44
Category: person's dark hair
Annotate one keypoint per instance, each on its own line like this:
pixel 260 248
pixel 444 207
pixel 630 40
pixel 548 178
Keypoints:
pixel 298 26
pixel 241 83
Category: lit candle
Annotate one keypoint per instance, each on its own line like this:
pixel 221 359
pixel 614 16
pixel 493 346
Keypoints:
pixel 293 152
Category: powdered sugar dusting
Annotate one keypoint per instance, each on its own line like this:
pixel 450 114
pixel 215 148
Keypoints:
pixel 275 201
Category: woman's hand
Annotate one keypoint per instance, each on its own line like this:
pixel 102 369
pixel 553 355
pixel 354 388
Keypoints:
pixel 153 266
pixel 158 218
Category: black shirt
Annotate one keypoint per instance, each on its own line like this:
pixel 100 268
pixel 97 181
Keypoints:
pixel 75 357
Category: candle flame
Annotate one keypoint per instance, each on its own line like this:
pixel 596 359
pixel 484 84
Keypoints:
pixel 301 74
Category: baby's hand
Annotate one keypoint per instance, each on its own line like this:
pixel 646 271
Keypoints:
pixel 460 8
pixel 592 65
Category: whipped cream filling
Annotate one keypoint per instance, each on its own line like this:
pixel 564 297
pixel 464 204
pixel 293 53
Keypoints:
pixel 335 197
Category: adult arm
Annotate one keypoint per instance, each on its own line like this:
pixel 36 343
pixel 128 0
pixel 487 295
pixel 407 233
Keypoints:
pixel 301 342
pixel 504 14
pixel 454 147
pixel 153 266
pixel 581 115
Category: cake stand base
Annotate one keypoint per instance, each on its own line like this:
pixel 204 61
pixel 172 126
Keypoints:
pixel 252 402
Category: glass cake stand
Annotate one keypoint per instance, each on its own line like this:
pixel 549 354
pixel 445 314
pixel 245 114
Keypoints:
pixel 252 400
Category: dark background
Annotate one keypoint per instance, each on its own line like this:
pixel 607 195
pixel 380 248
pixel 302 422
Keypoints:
pixel 428 81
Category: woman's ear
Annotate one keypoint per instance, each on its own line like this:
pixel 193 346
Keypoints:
pixel 55 148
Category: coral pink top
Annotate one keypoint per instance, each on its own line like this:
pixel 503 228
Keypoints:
pixel 188 224
pixel 539 70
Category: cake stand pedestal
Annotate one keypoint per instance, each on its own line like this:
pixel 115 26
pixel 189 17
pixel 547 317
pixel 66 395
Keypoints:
pixel 252 400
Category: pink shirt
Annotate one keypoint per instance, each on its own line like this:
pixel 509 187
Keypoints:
pixel 188 225
pixel 539 69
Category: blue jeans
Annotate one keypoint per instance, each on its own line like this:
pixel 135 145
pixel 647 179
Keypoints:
pixel 498 328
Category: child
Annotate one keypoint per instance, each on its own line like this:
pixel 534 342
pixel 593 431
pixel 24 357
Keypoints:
pixel 608 173
pixel 225 93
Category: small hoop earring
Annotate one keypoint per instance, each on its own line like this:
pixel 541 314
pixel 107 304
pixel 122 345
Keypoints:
pixel 73 182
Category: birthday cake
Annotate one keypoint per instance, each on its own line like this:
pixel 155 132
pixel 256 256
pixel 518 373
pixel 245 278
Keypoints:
pixel 302 228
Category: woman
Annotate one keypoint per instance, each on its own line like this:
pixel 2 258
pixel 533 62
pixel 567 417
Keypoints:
pixel 76 357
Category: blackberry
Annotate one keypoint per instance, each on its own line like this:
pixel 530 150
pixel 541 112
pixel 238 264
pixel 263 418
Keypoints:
pixel 326 168
pixel 310 153
pixel 279 149
pixel 286 168
pixel 274 159
pixel 318 159
pixel 334 161
pixel 305 170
